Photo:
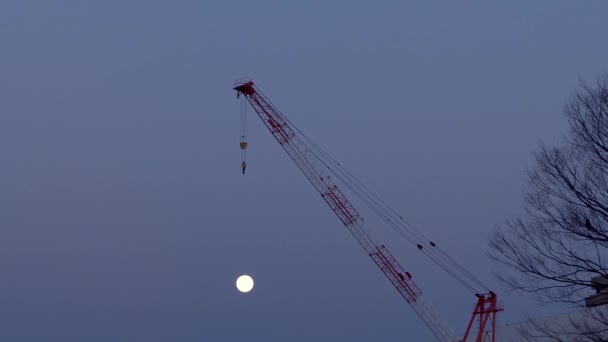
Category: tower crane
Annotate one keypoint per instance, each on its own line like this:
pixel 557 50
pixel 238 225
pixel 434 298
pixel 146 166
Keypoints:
pixel 320 169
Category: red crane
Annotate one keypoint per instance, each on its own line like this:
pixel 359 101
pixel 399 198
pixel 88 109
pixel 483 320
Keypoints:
pixel 319 167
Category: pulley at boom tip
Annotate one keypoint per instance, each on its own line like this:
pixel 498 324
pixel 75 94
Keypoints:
pixel 245 87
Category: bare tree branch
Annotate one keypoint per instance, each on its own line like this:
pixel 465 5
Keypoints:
pixel 561 241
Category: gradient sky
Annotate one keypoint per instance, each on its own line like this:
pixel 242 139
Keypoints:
pixel 124 215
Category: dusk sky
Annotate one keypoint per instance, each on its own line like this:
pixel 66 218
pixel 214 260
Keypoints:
pixel 125 217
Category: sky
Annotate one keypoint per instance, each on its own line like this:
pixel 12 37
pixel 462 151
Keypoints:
pixel 124 214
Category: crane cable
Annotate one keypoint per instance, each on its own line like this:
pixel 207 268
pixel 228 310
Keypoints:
pixel 406 225
pixel 382 213
pixel 401 225
pixel 389 215
pixel 243 135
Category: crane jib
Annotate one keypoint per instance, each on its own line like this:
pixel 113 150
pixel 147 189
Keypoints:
pixel 312 167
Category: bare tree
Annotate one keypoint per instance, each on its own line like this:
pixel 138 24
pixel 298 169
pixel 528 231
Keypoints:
pixel 561 240
pixel 584 325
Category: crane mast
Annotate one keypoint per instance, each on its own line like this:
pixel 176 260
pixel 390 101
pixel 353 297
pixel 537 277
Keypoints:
pixel 313 169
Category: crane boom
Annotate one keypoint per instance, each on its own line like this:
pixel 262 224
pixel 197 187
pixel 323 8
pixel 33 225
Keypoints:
pixel 306 161
pixel 313 169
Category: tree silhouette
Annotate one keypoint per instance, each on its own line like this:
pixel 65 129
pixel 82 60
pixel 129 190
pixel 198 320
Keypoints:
pixel 561 241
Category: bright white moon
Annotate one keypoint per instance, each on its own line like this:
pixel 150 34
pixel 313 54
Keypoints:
pixel 244 283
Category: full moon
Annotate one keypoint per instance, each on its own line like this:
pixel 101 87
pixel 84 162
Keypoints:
pixel 244 283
